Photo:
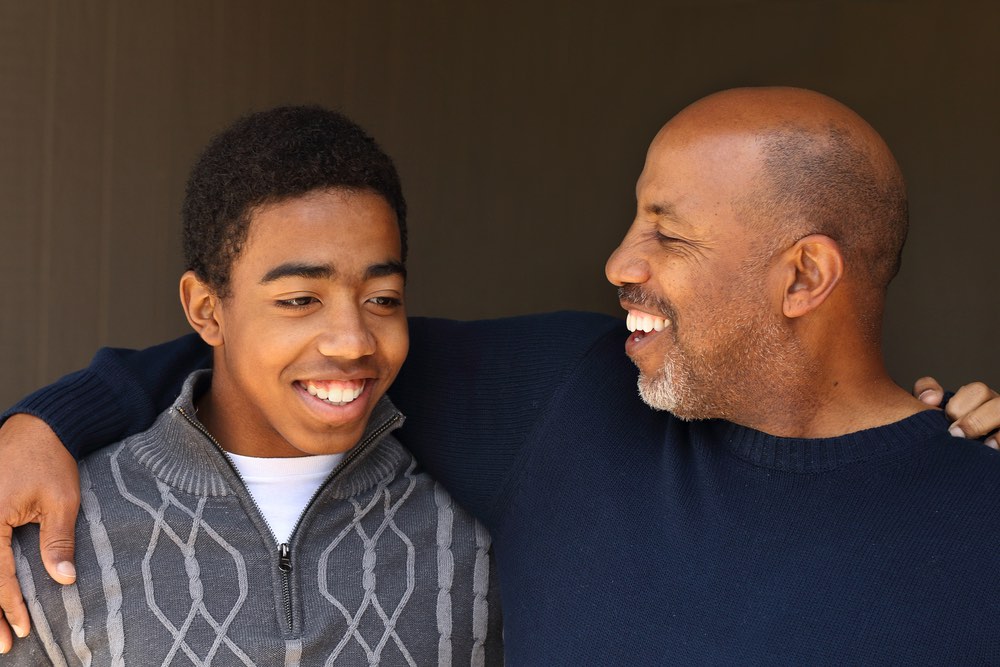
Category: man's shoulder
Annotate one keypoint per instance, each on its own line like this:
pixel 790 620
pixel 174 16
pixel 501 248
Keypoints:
pixel 939 485
pixel 558 337
pixel 568 323
pixel 966 466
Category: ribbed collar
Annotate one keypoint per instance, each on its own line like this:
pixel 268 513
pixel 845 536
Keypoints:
pixel 810 455
pixel 178 451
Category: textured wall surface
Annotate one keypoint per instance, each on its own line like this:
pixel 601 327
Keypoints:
pixel 519 133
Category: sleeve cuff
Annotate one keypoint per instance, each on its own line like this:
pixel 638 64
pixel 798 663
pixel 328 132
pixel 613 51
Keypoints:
pixel 82 410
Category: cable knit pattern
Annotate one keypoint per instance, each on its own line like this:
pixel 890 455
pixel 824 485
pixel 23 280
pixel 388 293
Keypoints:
pixel 177 567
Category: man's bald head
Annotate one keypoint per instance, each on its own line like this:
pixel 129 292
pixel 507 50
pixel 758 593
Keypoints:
pixel 822 169
pixel 768 223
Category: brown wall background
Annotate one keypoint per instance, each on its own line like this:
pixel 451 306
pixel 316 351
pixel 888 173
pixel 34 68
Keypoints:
pixel 519 131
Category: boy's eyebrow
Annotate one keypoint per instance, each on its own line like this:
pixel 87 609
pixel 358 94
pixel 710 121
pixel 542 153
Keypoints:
pixel 384 269
pixel 327 271
pixel 298 270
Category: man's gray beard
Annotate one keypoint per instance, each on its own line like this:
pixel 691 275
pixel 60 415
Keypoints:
pixel 665 391
pixel 674 392
pixel 727 383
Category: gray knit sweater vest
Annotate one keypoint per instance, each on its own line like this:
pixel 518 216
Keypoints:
pixel 176 565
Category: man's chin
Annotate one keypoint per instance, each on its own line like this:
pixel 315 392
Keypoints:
pixel 657 394
pixel 661 394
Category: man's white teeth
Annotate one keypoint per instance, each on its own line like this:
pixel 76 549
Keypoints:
pixel 335 395
pixel 636 321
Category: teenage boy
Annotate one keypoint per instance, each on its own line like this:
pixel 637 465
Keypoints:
pixel 269 516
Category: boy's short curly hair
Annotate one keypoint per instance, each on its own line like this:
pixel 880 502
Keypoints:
pixel 271 156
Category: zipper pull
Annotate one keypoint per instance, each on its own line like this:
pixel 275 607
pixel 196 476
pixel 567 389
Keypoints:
pixel 284 558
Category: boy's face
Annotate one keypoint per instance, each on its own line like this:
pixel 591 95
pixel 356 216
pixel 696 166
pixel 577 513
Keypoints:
pixel 313 331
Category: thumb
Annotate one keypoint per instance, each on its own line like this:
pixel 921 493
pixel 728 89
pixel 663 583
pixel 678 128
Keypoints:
pixel 928 390
pixel 57 540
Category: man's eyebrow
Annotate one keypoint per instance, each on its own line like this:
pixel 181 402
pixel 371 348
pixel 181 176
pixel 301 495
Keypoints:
pixel 665 210
pixel 298 270
pixel 662 209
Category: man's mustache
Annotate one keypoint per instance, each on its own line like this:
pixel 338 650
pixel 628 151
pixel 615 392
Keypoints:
pixel 646 300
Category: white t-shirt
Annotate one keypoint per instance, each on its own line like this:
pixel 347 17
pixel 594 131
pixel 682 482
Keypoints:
pixel 283 487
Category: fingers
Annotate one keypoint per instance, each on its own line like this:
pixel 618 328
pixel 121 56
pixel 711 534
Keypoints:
pixel 975 409
pixel 39 483
pixel 14 612
pixel 6 639
pixel 57 541
pixel 928 391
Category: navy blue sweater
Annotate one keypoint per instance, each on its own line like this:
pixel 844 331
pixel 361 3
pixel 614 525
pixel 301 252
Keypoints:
pixel 625 536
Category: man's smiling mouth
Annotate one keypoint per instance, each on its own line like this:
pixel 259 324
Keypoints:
pixel 638 320
pixel 335 392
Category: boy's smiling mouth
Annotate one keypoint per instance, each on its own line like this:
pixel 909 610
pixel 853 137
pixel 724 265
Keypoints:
pixel 335 392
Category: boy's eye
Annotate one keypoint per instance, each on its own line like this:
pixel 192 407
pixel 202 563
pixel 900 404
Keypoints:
pixel 385 301
pixel 296 302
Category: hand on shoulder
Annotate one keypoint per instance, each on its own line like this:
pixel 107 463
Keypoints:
pixel 39 483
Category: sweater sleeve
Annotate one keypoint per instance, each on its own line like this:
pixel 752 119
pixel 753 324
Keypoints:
pixel 119 394
pixel 473 391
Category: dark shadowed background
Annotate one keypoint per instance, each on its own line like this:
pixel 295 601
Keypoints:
pixel 519 131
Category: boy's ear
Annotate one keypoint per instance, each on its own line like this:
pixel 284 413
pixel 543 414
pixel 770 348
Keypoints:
pixel 813 267
pixel 202 308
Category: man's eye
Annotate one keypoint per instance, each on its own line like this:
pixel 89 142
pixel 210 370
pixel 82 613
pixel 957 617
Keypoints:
pixel 664 239
pixel 296 302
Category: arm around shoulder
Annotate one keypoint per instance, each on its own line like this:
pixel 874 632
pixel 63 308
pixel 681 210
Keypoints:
pixel 119 394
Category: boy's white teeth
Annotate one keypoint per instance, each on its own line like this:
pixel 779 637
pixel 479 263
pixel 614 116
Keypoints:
pixel 636 320
pixel 337 394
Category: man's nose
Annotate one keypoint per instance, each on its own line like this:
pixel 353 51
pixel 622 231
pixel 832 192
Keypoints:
pixel 346 334
pixel 626 265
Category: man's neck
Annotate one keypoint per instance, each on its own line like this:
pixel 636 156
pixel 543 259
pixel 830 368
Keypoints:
pixel 830 405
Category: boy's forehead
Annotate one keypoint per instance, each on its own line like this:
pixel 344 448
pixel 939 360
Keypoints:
pixel 329 232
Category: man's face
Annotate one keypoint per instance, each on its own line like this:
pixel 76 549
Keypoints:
pixel 314 330
pixel 695 280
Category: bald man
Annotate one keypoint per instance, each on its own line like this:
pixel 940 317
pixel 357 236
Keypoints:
pixel 784 503
pixel 769 223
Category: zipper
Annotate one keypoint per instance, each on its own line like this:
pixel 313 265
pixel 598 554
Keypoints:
pixel 285 567
pixel 284 548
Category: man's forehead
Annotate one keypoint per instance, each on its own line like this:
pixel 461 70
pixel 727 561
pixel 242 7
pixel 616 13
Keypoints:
pixel 710 161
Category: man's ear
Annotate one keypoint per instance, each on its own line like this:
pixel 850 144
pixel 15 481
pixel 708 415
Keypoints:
pixel 812 269
pixel 202 308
